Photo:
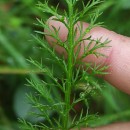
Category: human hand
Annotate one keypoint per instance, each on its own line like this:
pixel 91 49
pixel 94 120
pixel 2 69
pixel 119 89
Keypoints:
pixel 118 57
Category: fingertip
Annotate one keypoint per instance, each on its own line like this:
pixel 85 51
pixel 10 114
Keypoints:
pixel 62 33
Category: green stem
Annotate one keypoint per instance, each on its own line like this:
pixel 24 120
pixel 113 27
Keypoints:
pixel 70 68
pixel 16 55
pixel 12 51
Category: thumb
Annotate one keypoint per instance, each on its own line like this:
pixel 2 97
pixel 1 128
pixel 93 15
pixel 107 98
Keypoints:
pixel 118 55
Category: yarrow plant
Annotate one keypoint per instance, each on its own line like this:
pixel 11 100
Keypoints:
pixel 75 73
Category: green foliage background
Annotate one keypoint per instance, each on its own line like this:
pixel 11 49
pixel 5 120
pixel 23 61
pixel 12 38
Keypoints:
pixel 17 20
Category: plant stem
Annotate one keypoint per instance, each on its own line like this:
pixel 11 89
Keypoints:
pixel 16 55
pixel 70 67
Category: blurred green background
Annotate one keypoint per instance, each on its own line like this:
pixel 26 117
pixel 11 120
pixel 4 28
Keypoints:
pixel 17 18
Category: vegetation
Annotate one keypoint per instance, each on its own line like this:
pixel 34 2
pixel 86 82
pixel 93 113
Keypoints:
pixel 57 85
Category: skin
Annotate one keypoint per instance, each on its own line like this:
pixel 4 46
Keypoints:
pixel 116 126
pixel 118 57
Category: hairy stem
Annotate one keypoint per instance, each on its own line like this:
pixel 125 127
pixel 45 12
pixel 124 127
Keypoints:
pixel 70 67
